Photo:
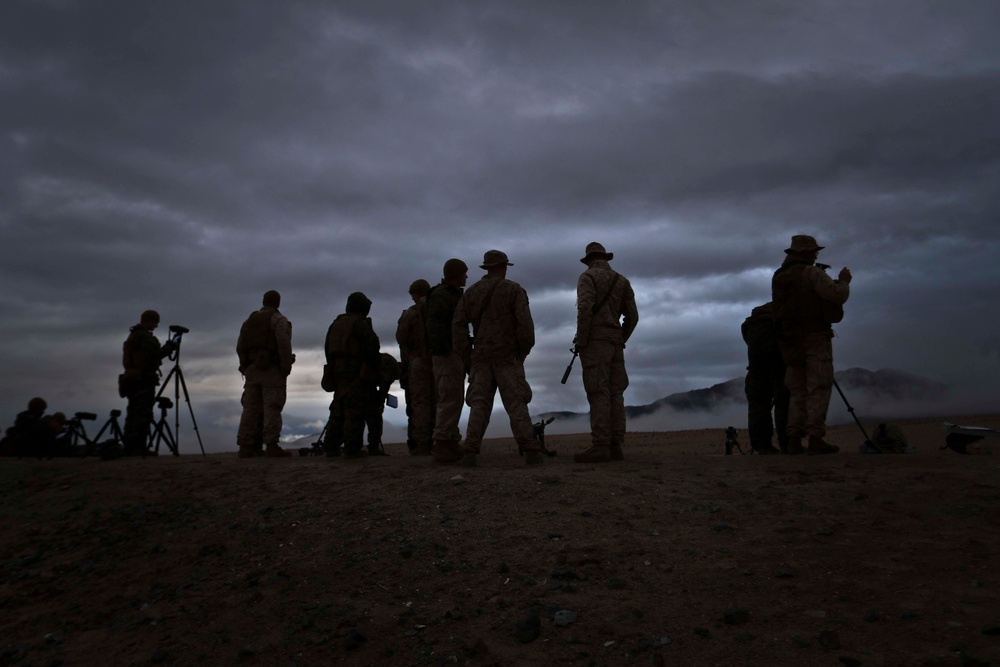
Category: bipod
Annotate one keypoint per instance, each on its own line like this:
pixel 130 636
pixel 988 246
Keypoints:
pixel 178 376
pixel 868 441
pixel 161 430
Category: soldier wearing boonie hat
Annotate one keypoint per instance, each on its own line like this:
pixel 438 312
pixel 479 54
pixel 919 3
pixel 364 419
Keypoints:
pixel 606 316
pixel 806 302
pixel 497 310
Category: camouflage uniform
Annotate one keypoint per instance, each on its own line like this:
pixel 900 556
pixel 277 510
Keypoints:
pixel 352 351
pixel 142 355
pixel 601 335
pixel 417 377
pixel 765 381
pixel 806 301
pixel 504 334
pixel 449 371
pixel 264 348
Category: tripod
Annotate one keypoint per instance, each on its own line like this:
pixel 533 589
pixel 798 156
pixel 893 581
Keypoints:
pixel 178 376
pixel 113 428
pixel 161 430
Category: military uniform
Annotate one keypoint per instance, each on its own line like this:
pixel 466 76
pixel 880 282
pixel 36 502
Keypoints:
pixel 264 348
pixel 504 333
pixel 606 317
pixel 806 301
pixel 765 382
pixel 142 355
pixel 352 352
pixel 417 377
pixel 448 368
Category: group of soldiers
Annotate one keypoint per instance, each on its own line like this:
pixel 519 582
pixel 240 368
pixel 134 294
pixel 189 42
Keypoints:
pixel 790 353
pixel 483 333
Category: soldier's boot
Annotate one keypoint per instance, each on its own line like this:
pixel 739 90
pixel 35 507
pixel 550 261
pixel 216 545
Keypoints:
pixel 247 452
pixel 422 449
pixel 764 447
pixel 469 459
pixel 533 457
pixel 446 451
pixel 616 453
pixel 376 450
pixel 274 451
pixel 596 454
pixel 358 453
pixel 817 445
pixel 332 452
pixel 794 445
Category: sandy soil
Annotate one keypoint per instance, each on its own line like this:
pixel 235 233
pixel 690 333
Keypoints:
pixel 677 556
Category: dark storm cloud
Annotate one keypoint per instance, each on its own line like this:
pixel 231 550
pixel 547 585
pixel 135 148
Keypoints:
pixel 189 156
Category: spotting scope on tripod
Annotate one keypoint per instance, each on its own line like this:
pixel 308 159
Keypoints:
pixel 177 375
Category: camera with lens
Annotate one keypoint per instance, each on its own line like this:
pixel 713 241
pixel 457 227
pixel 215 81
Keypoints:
pixel 164 403
pixel 89 416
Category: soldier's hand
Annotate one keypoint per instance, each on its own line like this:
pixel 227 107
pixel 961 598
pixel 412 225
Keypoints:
pixel 845 276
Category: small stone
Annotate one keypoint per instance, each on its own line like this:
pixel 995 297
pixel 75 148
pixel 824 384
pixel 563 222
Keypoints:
pixel 564 617
pixel 702 632
pixel 354 639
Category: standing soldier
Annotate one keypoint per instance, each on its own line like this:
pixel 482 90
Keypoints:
pixel 606 315
pixel 352 351
pixel 806 303
pixel 265 352
pixel 142 355
pixel 417 376
pixel 449 371
pixel 765 382
pixel 504 334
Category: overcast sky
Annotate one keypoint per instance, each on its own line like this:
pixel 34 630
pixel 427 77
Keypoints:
pixel 188 156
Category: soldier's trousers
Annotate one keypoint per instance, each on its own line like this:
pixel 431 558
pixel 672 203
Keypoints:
pixel 809 387
pixel 138 417
pixel 484 380
pixel 420 399
pixel 449 380
pixel 260 422
pixel 765 390
pixel 352 400
pixel 605 381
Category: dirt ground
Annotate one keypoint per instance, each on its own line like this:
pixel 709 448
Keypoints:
pixel 677 556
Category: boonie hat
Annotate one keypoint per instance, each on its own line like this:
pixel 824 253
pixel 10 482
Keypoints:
pixel 596 251
pixel 803 243
pixel 493 258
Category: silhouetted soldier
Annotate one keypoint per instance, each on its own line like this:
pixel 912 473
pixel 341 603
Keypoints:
pixel 765 382
pixel 417 373
pixel 504 333
pixel 449 371
pixel 142 355
pixel 388 373
pixel 352 352
pixel 806 303
pixel 264 348
pixel 606 315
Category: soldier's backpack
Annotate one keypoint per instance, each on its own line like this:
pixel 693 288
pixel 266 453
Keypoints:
pixel 259 340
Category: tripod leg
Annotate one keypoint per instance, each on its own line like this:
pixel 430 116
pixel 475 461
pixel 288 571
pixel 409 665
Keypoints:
pixel 187 399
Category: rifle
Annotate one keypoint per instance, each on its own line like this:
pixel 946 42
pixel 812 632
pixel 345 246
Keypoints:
pixel 569 368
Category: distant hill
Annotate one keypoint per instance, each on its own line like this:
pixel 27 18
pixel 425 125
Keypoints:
pixel 884 386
